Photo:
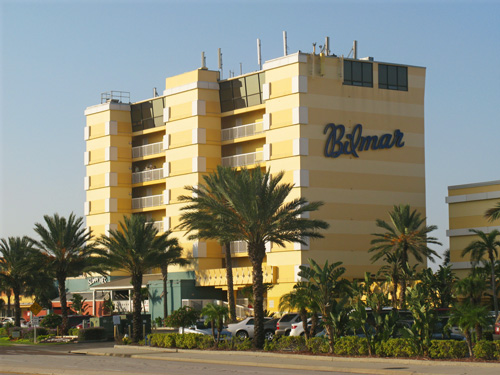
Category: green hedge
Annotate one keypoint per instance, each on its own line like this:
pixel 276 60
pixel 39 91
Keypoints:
pixel 442 349
pixel 286 343
pixel 351 346
pixel 396 347
pixel 487 349
pixel 194 340
pixel 90 334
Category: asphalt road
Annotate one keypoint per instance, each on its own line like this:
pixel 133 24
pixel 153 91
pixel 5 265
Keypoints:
pixel 57 360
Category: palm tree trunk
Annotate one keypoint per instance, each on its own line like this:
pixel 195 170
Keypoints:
pixel 230 289
pixel 479 332
pixel 395 284
pixel 17 307
pixel 256 257
pixel 8 293
pixel 136 317
pixel 314 323
pixel 64 305
pixel 493 284
pixel 331 337
pixel 164 272
pixel 468 339
pixel 303 317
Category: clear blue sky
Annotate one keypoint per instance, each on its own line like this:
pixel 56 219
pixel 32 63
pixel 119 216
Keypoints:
pixel 58 56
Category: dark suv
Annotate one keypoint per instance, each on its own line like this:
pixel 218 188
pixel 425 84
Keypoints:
pixel 284 325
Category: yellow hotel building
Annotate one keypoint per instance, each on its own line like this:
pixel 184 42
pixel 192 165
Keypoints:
pixel 467 205
pixel 348 132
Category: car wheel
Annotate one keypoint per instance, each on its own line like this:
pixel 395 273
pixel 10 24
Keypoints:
pixel 242 335
pixel 269 335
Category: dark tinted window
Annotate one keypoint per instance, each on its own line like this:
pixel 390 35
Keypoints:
pixel 241 92
pixel 357 73
pixel 393 77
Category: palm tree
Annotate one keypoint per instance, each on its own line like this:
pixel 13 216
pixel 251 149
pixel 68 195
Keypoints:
pixel 493 213
pixel 215 314
pixel 328 285
pixel 485 246
pixel 18 268
pixel 137 247
pixel 174 259
pixel 65 244
pixel 254 210
pixel 467 317
pixel 302 299
pixel 406 235
pixel 200 217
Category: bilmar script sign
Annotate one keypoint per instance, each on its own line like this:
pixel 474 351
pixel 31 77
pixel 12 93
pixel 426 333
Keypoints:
pixel 339 143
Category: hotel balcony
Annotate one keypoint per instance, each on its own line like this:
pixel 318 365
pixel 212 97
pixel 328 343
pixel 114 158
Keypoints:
pixel 241 276
pixel 146 150
pixel 149 175
pixel 242 159
pixel 242 131
pixel 149 201
pixel 159 226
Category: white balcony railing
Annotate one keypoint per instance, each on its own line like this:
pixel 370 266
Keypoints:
pixel 149 201
pixel 158 225
pixel 151 175
pixel 241 131
pixel 146 150
pixel 242 159
pixel 127 306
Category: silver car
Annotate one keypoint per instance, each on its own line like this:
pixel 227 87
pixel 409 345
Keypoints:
pixel 245 328
pixel 200 328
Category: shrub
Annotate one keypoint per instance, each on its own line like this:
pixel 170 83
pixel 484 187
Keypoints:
pixel 317 345
pixel 290 343
pixel 351 345
pixel 29 333
pixel 3 331
pixel 51 321
pixel 485 350
pixel 242 345
pixel 169 340
pixel 205 342
pixel 397 347
pixel 73 331
pixel 270 346
pixel 441 349
pixel 186 340
pixel 95 333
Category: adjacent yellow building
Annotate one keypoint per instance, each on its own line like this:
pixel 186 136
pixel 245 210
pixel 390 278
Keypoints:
pixel 348 132
pixel 467 205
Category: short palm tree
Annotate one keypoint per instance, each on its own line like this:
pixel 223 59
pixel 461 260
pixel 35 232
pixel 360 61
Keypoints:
pixel 216 315
pixel 65 244
pixel 486 247
pixel 199 218
pixel 493 213
pixel 174 259
pixel 255 210
pixel 19 266
pixel 467 317
pixel 406 235
pixel 136 248
pixel 301 299
pixel 328 285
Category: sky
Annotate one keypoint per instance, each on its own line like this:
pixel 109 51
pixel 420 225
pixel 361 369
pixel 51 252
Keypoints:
pixel 57 57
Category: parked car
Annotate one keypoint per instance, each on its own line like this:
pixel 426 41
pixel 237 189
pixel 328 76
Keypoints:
pixel 496 331
pixel 245 328
pixel 11 320
pixel 298 328
pixel 200 328
pixel 270 328
pixel 284 325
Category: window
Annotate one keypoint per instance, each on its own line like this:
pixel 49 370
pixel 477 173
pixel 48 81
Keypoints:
pixel 392 77
pixel 147 115
pixel 241 92
pixel 357 73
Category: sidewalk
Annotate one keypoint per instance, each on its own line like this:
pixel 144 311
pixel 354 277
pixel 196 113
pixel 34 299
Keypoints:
pixel 375 366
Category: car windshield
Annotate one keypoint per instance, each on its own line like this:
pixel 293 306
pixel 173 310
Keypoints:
pixel 287 318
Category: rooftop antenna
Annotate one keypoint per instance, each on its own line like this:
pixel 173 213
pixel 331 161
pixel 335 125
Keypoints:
pixel 285 47
pixel 259 59
pixel 241 69
pixel 219 54
pixel 155 93
pixel 203 60
pixel 355 50
pixel 327 46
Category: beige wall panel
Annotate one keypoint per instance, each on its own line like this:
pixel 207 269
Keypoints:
pixel 472 208
pixel 105 167
pixel 281 87
pixel 97 156
pixel 124 179
pixel 461 242
pixel 97 181
pixel 209 151
pixel 124 153
pixel 472 221
pixel 213 136
pixel 362 105
pixel 281 118
pixel 181 166
pixel 289 164
pixel 282 72
pixel 474 190
pixel 282 149
pixel 124 204
pixel 283 103
pixel 181 139
pixel 114 141
pixel 357 181
pixel 366 167
pixel 280 258
pixel 181 111
pixel 97 206
pixel 352 211
pixel 103 193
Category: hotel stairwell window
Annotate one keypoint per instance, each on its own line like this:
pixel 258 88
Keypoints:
pixel 357 73
pixel 392 77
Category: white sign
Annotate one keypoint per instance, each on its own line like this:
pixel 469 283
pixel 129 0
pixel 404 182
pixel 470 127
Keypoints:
pixel 95 280
pixel 116 319
pixel 35 321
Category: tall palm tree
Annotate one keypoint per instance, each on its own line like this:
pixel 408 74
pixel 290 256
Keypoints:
pixel 201 218
pixel 406 235
pixel 18 268
pixel 254 210
pixel 328 285
pixel 174 259
pixel 485 247
pixel 65 244
pixel 137 247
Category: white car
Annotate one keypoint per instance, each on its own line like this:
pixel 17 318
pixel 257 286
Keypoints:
pixel 245 328
pixel 298 327
pixel 200 328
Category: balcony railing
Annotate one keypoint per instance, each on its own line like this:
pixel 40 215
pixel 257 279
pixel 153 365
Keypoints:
pixel 144 176
pixel 146 150
pixel 149 201
pixel 241 131
pixel 159 226
pixel 242 159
